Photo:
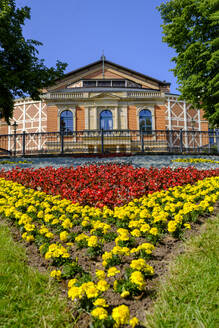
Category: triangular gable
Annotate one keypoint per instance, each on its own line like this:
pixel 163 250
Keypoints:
pixel 108 74
pixel 111 71
pixel 105 95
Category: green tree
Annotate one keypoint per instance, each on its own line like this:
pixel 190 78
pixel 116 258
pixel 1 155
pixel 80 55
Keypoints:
pixel 21 72
pixel 191 28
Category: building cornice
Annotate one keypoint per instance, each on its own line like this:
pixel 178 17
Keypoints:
pixel 101 96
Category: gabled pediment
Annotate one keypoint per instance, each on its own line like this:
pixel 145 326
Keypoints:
pixel 105 95
pixel 111 71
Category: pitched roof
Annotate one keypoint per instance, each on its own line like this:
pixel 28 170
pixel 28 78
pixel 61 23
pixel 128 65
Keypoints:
pixel 132 72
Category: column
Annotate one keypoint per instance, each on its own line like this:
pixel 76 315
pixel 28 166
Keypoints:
pixel 116 119
pixel 87 118
pixel 95 119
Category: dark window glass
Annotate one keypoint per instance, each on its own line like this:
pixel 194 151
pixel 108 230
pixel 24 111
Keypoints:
pixel 106 120
pixel 145 120
pixel 66 122
pixel 89 83
pixel 118 83
pixel 104 83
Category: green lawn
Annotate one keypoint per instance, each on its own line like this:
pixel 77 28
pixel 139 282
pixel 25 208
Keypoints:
pixel 189 294
pixel 28 299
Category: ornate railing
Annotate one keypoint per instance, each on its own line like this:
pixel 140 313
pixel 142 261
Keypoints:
pixel 112 141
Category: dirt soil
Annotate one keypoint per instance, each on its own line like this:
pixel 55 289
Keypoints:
pixel 165 251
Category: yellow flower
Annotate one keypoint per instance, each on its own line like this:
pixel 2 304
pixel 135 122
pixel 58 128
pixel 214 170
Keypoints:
pixel 63 235
pixel 112 272
pixel 137 278
pixel 66 255
pixel 49 235
pixel 133 322
pixel 67 224
pixel 99 313
pixel 48 255
pixel 121 315
pixel 55 221
pixel 102 285
pixel 40 214
pixel 104 264
pixel 106 256
pixel 56 274
pixel 72 282
pixel 29 238
pixel 92 241
pixel 100 274
pixel 90 289
pixel 100 302
pixel 172 225
pixel 136 233
pixel 74 292
pixel 125 293
pixel 29 227
pixel 187 225
pixel 153 231
pixel 145 227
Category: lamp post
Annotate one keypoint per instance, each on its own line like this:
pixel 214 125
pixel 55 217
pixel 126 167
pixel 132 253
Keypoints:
pixel 15 132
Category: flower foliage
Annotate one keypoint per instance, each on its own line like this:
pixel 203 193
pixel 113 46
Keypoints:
pixel 99 185
pixel 121 239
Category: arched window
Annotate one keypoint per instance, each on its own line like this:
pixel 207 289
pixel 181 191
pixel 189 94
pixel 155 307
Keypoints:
pixel 145 120
pixel 106 120
pixel 66 122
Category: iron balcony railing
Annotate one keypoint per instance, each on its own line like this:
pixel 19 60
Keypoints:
pixel 109 141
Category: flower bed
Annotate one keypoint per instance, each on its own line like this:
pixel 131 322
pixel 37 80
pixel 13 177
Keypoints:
pixel 99 185
pixel 195 160
pixel 104 254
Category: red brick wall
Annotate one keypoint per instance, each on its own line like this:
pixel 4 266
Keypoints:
pixel 80 119
pixel 132 118
pixel 52 119
pixel 3 127
pixel 204 125
pixel 159 114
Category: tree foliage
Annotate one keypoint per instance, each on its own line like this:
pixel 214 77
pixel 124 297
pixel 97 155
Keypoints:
pixel 21 72
pixel 191 28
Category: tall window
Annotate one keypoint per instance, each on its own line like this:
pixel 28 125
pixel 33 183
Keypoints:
pixel 66 122
pixel 145 120
pixel 106 120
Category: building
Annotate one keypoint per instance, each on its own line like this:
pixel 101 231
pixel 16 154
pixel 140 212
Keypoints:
pixel 108 96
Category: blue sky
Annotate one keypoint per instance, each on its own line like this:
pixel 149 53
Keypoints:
pixel 77 31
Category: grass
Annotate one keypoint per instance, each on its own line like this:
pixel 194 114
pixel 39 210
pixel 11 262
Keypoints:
pixel 27 297
pixel 188 296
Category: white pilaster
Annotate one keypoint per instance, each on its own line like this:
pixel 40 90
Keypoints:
pixel 116 119
pixel 24 116
pixel 87 118
pixel 9 139
pixel 199 127
pixel 40 116
pixel 95 119
pixel 185 123
pixel 169 115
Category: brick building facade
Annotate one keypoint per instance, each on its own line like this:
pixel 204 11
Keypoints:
pixel 108 96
